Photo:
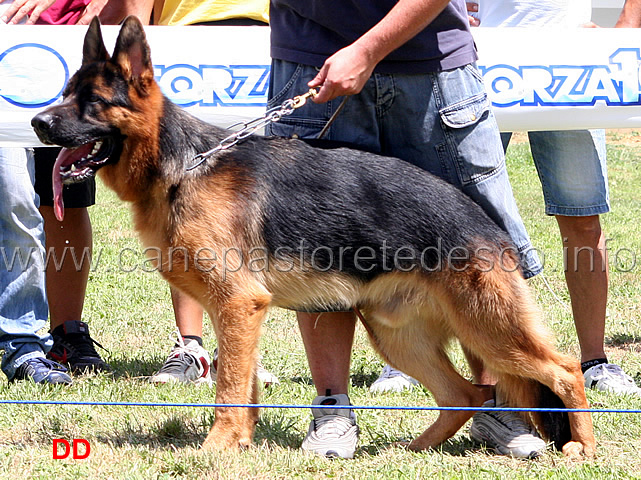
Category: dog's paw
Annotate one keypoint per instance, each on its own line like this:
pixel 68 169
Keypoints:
pixel 418 445
pixel 217 441
pixel 578 450
pixel 401 444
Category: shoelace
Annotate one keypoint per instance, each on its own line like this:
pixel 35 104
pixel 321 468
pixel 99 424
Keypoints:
pixel 83 344
pixel 513 422
pixel 178 355
pixel 332 426
pixel 175 363
pixel 49 363
pixel 389 372
pixel 605 371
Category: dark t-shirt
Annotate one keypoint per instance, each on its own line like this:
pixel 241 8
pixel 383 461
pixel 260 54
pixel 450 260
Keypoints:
pixel 309 31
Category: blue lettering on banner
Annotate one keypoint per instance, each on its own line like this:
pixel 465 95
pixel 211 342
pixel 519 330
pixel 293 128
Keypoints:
pixel 214 85
pixel 567 85
pixel 33 75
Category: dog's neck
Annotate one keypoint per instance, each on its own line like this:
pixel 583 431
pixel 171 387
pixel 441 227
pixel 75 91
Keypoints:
pixel 181 137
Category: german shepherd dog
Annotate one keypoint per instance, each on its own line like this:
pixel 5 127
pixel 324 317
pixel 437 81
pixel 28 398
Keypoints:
pixel 312 230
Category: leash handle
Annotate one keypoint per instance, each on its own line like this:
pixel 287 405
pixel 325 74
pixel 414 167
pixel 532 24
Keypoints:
pixel 332 118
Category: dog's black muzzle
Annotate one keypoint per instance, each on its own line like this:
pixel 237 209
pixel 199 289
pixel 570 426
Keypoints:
pixel 42 124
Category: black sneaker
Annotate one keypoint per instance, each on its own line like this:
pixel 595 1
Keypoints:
pixel 72 346
pixel 42 370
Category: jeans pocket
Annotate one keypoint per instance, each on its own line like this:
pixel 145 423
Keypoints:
pixel 284 78
pixel 466 112
pixel 289 80
pixel 473 138
pixel 295 127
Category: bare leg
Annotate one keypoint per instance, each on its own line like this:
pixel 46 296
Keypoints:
pixel 587 279
pixel 328 339
pixel 188 312
pixel 66 286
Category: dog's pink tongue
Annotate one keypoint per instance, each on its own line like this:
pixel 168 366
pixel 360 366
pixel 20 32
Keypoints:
pixel 56 180
pixel 66 156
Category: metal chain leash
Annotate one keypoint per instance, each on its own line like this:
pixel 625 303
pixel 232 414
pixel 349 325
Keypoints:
pixel 249 128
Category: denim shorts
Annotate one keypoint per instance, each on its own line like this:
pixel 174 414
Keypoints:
pixel 441 122
pixel 572 168
pixel 23 300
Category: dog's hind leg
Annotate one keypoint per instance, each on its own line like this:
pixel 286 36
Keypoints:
pixel 499 323
pixel 449 390
pixel 418 350
pixel 237 322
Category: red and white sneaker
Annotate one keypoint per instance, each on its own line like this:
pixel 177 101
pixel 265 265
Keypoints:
pixel 187 363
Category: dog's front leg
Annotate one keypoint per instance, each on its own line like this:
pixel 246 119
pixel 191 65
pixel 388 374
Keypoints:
pixel 237 324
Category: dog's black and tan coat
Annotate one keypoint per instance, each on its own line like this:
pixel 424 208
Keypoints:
pixel 276 222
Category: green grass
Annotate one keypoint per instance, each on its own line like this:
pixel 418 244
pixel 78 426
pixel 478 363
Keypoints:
pixel 130 314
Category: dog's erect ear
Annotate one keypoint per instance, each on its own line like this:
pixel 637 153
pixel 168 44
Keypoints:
pixel 132 54
pixel 94 48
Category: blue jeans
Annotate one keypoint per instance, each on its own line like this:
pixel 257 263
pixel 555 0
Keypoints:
pixel 572 168
pixel 23 301
pixel 441 122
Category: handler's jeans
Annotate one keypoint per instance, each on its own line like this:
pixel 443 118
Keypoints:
pixel 572 167
pixel 441 122
pixel 23 301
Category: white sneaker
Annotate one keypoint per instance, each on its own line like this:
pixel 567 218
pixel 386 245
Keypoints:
pixel 187 363
pixel 267 377
pixel 608 377
pixel 333 431
pixel 506 432
pixel 392 380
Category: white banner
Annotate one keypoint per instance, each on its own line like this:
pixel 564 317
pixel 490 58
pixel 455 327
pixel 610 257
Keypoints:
pixel 537 79
pixel 562 80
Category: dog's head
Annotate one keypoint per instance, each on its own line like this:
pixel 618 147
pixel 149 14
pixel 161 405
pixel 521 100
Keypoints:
pixel 101 111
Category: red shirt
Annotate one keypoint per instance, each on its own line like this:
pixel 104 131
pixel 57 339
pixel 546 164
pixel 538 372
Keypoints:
pixel 63 12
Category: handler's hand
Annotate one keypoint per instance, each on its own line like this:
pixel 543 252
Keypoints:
pixel 344 73
pixel 29 9
pixel 472 8
pixel 92 10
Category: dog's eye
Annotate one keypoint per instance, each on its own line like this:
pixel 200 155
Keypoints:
pixel 93 98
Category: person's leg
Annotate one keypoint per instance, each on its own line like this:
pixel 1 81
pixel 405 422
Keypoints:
pixel 586 275
pixel 67 276
pixel 188 313
pixel 572 169
pixel 327 337
pixel 23 303
pixel 452 133
pixel 329 361
pixel 69 249
pixel 573 173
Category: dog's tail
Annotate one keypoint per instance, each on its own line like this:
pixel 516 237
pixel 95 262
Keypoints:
pixel 526 393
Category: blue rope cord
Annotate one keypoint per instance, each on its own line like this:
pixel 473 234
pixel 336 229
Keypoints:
pixel 349 407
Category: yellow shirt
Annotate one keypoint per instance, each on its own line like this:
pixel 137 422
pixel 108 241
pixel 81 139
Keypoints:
pixel 187 12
